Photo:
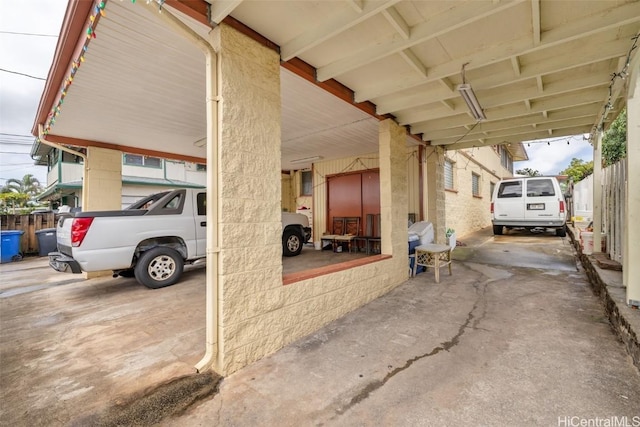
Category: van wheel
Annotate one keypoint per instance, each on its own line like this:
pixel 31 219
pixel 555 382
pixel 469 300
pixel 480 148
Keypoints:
pixel 497 230
pixel 159 267
pixel 561 232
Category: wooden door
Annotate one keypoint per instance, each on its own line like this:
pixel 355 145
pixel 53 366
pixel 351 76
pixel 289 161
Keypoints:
pixel 353 195
pixel 344 197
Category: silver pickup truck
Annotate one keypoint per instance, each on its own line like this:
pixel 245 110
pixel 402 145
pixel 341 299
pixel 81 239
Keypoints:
pixel 150 240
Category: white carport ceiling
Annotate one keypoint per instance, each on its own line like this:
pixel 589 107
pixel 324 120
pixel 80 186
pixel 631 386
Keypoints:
pixel 539 68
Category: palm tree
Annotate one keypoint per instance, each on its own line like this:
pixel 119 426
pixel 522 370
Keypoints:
pixel 28 185
pixel 19 193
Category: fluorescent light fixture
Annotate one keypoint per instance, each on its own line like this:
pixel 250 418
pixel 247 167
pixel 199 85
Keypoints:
pixel 472 102
pixel 306 159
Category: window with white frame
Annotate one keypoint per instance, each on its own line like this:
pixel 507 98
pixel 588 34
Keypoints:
pixel 475 184
pixel 449 182
pixel 492 186
pixel 138 160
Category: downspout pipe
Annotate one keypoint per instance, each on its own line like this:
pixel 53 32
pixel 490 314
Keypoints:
pixel 214 130
pixel 43 139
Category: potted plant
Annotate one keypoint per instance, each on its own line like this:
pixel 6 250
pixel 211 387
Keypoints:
pixel 450 234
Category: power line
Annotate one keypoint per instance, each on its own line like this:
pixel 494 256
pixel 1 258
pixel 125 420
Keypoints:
pixel 22 74
pixel 16 134
pixel 15 143
pixel 27 34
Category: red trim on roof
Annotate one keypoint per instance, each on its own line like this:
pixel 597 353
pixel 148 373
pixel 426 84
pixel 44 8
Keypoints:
pixel 196 9
pixel 75 142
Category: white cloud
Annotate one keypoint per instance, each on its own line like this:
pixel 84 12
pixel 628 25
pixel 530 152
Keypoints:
pixel 27 54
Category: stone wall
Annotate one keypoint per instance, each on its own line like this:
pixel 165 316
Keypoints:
pixel 613 300
pixel 258 314
pixel 467 213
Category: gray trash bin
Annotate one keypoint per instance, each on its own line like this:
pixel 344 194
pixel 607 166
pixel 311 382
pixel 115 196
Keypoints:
pixel 47 241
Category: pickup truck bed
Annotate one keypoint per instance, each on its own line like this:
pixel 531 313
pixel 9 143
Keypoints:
pixel 151 240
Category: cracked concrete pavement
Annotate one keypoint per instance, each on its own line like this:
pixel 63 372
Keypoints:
pixel 514 337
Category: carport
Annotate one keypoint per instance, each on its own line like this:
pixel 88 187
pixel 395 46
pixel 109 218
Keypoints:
pixel 253 88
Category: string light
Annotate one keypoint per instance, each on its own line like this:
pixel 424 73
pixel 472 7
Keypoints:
pixel 620 75
pixel 77 62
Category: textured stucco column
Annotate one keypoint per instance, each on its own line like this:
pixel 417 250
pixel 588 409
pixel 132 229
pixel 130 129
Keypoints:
pixel 102 185
pixel 436 212
pixel 631 266
pixel 393 189
pixel 250 262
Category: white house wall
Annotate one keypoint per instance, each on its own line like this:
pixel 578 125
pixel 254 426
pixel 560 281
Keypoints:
pixel 583 199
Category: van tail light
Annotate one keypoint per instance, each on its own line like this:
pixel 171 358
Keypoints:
pixel 491 207
pixel 561 206
pixel 79 229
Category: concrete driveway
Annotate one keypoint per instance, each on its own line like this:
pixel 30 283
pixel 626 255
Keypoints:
pixel 515 336
pixel 71 346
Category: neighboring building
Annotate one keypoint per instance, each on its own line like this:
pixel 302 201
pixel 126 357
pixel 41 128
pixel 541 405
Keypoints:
pixel 141 176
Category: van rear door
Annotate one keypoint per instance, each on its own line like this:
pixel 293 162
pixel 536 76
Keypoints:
pixel 542 200
pixel 508 203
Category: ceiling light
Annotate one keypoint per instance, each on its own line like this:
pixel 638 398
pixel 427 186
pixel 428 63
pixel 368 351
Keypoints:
pixel 472 102
pixel 306 159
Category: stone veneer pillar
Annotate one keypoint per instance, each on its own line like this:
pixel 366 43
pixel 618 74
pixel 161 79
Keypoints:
pixel 102 185
pixel 393 189
pixel 250 261
pixel 436 208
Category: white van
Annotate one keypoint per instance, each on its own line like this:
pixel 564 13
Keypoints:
pixel 528 202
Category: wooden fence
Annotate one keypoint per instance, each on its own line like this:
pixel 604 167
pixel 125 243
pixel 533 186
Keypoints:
pixel 29 224
pixel 613 207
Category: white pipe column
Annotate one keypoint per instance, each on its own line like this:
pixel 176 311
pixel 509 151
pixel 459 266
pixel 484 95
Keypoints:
pixel 597 192
pixel 631 252
pixel 213 197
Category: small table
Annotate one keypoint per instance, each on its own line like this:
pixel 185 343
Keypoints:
pixel 433 255
pixel 338 238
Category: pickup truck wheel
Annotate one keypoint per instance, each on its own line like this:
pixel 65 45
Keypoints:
pixel 561 232
pixel 159 267
pixel 291 243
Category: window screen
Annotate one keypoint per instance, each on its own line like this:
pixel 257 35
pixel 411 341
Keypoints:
pixel 475 184
pixel 448 175
pixel 307 183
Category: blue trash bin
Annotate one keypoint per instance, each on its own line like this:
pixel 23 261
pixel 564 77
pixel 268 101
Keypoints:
pixel 10 248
